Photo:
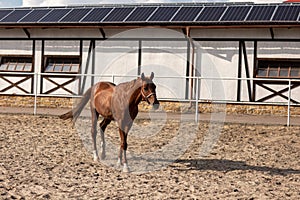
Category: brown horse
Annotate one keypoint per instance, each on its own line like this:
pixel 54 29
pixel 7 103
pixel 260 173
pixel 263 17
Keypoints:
pixel 115 102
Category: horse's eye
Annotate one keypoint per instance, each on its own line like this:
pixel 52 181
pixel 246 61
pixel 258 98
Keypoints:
pixel 145 88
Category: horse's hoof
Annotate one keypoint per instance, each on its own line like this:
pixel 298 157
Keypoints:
pixel 96 159
pixel 118 166
pixel 103 156
pixel 95 156
pixel 126 169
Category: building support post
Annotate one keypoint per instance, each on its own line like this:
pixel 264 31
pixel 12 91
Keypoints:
pixel 80 65
pixel 42 65
pixel 247 70
pixel 33 63
pixel 254 71
pixel 238 95
pixel 34 80
pixel 288 123
pixel 189 91
pixel 93 61
pixel 140 57
pixel 87 66
pixel 187 74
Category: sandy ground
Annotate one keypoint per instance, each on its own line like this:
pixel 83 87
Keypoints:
pixel 43 157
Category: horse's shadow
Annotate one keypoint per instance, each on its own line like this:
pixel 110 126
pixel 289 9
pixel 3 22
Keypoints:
pixel 229 165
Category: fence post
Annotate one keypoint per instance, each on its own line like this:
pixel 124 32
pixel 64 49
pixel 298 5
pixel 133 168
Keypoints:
pixel 197 99
pixel 289 106
pixel 35 92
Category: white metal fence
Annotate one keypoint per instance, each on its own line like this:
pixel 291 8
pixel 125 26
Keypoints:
pixel 195 94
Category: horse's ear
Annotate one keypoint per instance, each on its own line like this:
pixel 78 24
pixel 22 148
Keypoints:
pixel 143 76
pixel 152 75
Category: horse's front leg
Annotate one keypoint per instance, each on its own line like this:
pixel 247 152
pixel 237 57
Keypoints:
pixel 122 153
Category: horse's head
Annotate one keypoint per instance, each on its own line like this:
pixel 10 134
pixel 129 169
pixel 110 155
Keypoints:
pixel 148 90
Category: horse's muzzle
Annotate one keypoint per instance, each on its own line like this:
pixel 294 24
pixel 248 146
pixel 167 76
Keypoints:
pixel 155 105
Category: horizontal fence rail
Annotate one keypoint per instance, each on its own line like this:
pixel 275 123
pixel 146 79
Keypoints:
pixel 196 88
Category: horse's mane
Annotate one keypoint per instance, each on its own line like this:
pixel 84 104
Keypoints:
pixel 129 84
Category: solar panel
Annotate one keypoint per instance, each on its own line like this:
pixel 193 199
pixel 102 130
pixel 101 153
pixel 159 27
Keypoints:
pixel 164 14
pixel 187 14
pixel 286 13
pixel 75 15
pixel 211 14
pixel 96 15
pixel 158 13
pixel 236 13
pixel 118 14
pixel 141 14
pixel 4 13
pixel 55 15
pixel 35 15
pixel 261 13
pixel 15 16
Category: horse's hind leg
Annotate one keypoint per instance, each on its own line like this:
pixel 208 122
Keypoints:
pixel 95 116
pixel 103 126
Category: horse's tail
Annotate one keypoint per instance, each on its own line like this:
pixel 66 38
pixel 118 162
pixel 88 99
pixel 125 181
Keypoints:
pixel 75 112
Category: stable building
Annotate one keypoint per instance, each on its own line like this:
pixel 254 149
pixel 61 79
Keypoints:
pixel 223 52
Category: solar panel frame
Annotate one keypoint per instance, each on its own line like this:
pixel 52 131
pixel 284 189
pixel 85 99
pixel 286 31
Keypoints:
pixel 235 13
pixel 96 14
pixel 211 14
pixel 35 15
pixel 16 15
pixel 164 14
pixel 188 13
pixel 118 14
pixel 75 15
pixel 140 14
pixel 55 15
pixel 261 13
pixel 4 13
pixel 286 13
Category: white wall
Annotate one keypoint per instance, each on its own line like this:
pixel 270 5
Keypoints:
pixel 165 58
pixel 278 50
pixel 11 47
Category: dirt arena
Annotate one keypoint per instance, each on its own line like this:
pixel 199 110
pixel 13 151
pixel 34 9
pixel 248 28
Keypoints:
pixel 43 157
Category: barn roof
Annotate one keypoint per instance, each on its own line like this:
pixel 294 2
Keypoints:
pixel 168 14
